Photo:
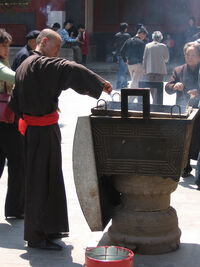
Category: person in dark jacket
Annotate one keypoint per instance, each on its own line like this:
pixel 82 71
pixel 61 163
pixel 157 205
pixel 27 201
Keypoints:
pixel 26 50
pixel 132 54
pixel 191 29
pixel 40 80
pixel 184 82
pixel 120 39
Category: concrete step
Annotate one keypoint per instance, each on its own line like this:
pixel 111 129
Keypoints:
pixel 103 67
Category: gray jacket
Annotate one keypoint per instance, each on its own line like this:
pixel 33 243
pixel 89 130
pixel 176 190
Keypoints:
pixel 155 56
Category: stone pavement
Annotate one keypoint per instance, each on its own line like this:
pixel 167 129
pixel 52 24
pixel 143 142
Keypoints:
pixel 13 250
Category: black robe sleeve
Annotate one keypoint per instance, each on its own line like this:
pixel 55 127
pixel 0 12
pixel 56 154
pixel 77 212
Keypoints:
pixel 81 79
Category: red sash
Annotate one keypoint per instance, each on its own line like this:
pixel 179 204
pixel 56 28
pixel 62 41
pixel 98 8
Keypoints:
pixel 45 120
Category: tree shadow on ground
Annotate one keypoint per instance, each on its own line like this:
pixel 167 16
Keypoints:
pixel 41 258
pixel 186 256
pixel 12 233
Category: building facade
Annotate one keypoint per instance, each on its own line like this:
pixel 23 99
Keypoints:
pixel 101 17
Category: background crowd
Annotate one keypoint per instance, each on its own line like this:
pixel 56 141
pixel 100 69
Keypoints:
pixel 145 58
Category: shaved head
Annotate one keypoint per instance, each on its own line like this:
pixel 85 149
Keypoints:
pixel 49 34
pixel 48 43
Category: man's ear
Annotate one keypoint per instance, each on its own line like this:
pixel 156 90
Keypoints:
pixel 44 41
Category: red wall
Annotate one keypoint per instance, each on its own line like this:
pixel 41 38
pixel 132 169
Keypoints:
pixel 163 15
pixel 38 7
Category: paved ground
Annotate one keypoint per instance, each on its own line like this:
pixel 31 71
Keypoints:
pixel 13 251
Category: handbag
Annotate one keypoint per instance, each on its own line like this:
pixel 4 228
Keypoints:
pixel 6 114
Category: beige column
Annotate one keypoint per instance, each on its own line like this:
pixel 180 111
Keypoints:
pixel 89 7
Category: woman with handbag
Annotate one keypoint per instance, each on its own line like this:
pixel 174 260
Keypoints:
pixel 11 143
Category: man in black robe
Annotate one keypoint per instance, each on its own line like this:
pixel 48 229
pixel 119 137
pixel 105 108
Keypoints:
pixel 40 80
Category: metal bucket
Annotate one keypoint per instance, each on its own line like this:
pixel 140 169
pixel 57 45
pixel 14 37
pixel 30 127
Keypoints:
pixel 111 256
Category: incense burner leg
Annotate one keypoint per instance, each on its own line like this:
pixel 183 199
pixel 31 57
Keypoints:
pixel 144 221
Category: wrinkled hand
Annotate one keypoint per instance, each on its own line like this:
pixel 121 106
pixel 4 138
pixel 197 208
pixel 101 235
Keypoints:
pixel 178 86
pixel 192 93
pixel 107 88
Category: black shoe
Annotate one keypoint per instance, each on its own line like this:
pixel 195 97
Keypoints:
pixel 185 174
pixel 198 188
pixel 45 244
pixel 18 217
pixel 57 235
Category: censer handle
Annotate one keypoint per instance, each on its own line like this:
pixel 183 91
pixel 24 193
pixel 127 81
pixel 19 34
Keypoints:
pixel 135 92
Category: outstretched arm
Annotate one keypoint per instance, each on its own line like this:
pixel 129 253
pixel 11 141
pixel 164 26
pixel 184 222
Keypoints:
pixel 83 80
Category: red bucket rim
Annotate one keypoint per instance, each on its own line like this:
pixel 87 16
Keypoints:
pixel 129 256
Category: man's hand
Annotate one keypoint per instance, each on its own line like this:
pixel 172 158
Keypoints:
pixel 178 87
pixel 78 40
pixel 192 93
pixel 107 88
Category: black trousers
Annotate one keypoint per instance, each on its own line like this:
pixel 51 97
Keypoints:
pixel 11 147
pixel 84 59
pixel 195 143
pixel 45 205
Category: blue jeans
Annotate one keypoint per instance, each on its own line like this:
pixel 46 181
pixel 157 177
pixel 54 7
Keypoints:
pixel 122 74
pixel 197 173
